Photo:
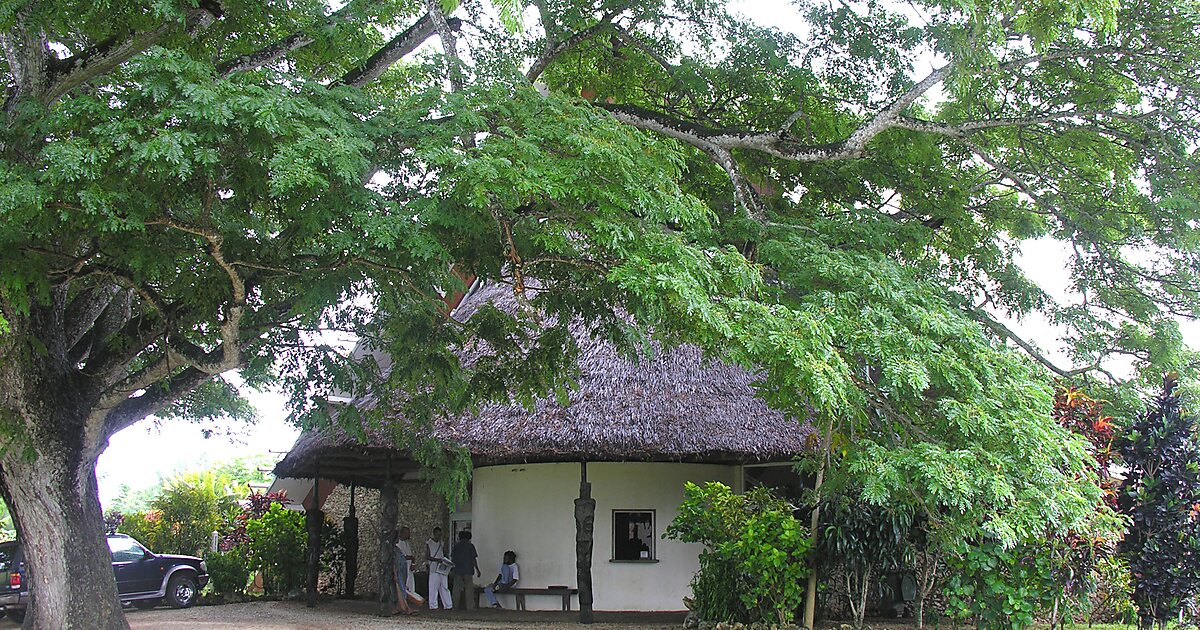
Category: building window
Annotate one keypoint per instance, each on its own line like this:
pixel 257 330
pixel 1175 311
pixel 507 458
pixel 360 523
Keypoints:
pixel 633 535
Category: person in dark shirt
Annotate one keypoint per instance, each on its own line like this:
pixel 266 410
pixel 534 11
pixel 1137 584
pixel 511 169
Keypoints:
pixel 462 587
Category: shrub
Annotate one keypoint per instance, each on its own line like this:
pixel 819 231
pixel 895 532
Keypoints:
pixel 146 527
pixel 1000 587
pixel 865 540
pixel 1112 600
pixel 276 545
pixel 754 563
pixel 229 572
pixel 1160 495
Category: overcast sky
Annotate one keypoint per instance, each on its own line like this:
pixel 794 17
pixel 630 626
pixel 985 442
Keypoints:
pixel 141 454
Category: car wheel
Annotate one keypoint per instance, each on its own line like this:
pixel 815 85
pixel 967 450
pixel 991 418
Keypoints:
pixel 145 604
pixel 181 590
pixel 16 614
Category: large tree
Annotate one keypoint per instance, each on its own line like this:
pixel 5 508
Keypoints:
pixel 188 188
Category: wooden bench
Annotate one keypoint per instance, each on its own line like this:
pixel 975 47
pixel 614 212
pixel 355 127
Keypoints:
pixel 521 592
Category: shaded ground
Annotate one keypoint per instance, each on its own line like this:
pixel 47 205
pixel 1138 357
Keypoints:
pixel 361 614
pixel 347 615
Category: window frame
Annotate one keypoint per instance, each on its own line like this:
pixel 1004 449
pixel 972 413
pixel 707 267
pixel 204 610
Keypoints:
pixel 653 544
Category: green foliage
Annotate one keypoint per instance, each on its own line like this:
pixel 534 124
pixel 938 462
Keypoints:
pixel 863 540
pixel 277 544
pixel 1000 587
pixel 229 571
pixel 755 558
pixel 1112 599
pixel 183 516
pixel 8 531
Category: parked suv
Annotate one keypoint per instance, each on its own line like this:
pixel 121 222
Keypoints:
pixel 14 589
pixel 146 579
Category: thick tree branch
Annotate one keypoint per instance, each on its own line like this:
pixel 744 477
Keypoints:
pixel 1006 333
pixel 396 49
pixel 776 142
pixel 131 410
pixel 67 74
pixel 116 313
pixel 283 47
pixel 27 53
pixel 555 47
pixel 83 311
pixel 449 43
pixel 234 310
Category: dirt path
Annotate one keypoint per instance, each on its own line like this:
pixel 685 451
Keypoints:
pixel 342 615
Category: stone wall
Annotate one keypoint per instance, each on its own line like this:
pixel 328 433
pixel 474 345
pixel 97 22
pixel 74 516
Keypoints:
pixel 420 509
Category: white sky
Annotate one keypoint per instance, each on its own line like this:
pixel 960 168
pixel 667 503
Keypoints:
pixel 141 454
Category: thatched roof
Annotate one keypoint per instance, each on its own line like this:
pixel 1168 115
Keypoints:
pixel 671 406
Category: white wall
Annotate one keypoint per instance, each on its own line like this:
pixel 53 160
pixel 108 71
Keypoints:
pixel 530 509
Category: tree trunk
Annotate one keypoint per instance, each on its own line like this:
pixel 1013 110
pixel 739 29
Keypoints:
pixel 810 596
pixel 48 451
pixel 925 580
pixel 861 614
pixel 56 507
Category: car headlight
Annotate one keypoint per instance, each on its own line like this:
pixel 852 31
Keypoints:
pixel 203 567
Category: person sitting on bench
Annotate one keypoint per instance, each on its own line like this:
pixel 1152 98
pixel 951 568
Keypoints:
pixel 510 574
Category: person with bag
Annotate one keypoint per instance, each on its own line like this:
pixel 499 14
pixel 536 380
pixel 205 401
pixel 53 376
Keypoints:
pixel 439 571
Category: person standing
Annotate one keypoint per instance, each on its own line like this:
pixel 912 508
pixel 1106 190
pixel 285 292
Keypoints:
pixel 404 548
pixel 506 580
pixel 400 573
pixel 466 566
pixel 439 569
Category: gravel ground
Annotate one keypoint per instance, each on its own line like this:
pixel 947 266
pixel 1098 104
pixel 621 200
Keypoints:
pixel 347 615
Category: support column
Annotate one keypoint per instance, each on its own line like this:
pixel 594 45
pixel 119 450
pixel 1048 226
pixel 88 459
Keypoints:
pixel 387 530
pixel 350 540
pixel 313 520
pixel 585 518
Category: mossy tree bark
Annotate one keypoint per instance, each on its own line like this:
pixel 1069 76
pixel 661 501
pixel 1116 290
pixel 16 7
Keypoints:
pixel 51 440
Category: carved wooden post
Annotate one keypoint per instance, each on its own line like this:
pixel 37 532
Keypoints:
pixel 387 528
pixel 585 518
pixel 313 519
pixel 350 540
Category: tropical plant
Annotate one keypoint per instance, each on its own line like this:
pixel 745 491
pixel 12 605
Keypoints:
pixel 277 544
pixel 1000 587
pixel 1161 495
pixel 183 516
pixel 229 571
pixel 1112 600
pixel 863 540
pixel 755 557
pixel 1078 551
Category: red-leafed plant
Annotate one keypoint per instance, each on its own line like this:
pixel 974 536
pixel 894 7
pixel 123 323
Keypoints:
pixel 1077 552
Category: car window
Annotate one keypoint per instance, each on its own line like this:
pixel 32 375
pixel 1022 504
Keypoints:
pixel 125 549
pixel 6 556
